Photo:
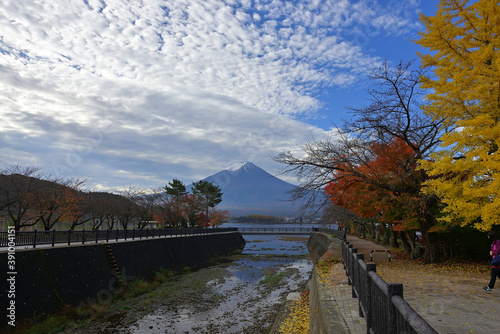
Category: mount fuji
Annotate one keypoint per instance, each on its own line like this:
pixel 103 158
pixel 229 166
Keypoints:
pixel 248 189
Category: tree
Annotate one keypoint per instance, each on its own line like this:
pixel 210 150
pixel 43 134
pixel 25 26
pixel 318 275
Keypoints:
pixel 175 202
pixel 389 165
pixel 192 207
pixel 219 217
pixel 104 208
pixel 208 195
pixel 80 214
pixel 146 208
pixel 54 200
pixel 127 205
pixel 176 188
pixel 393 114
pixel 17 186
pixel 464 42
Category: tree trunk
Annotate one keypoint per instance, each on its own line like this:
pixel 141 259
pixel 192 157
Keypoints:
pixel 387 234
pixel 394 239
pixel 404 238
pixel 372 230
pixel 377 233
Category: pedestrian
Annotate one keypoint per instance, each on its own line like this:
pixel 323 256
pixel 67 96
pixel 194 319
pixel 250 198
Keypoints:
pixel 495 251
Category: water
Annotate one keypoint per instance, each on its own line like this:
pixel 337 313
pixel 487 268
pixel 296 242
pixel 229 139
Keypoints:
pixel 242 296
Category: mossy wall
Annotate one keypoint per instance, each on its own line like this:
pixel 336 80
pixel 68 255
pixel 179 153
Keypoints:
pixel 49 278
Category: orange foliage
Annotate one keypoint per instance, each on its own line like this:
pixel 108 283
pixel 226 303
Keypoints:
pixel 218 217
pixel 373 189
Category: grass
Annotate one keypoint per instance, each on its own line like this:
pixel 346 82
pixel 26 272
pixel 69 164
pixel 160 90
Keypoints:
pixel 273 280
pixel 78 315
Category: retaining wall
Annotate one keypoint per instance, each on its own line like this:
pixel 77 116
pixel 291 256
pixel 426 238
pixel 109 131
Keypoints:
pixel 324 316
pixel 322 246
pixel 47 279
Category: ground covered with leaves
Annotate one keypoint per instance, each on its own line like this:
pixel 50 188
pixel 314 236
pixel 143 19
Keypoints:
pixel 448 295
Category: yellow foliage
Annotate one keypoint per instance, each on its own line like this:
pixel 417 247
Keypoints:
pixel 464 41
pixel 298 320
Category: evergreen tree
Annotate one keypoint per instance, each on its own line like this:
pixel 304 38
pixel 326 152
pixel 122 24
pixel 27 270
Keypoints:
pixel 208 194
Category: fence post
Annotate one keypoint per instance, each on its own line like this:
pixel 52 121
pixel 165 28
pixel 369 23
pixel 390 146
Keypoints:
pixel 393 290
pixel 97 236
pixel 83 236
pixel 117 232
pixel 69 237
pixel 53 237
pixel 133 233
pixel 34 238
pixel 107 235
pixel 350 264
pixel 357 280
pixel 368 309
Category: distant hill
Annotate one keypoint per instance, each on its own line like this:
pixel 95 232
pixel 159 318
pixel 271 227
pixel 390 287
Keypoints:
pixel 248 189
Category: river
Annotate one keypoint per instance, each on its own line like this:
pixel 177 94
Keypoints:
pixel 242 295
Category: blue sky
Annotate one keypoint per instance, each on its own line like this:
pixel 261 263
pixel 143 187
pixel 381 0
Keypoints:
pixel 126 92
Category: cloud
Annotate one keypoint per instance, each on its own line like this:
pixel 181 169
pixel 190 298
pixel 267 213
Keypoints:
pixel 123 90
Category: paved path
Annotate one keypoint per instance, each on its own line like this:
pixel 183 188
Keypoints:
pixel 451 302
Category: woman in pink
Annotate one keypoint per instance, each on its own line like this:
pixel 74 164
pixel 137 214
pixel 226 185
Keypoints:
pixel 495 251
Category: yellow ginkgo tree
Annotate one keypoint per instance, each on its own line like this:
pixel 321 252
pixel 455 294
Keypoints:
pixel 464 39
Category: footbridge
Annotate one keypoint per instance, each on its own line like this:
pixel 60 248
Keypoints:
pixel 277 230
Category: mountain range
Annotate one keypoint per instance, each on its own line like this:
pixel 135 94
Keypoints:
pixel 248 189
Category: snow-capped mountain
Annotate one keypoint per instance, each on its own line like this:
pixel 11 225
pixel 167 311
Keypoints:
pixel 248 189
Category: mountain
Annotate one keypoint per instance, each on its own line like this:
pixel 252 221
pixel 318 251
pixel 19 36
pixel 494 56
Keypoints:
pixel 248 189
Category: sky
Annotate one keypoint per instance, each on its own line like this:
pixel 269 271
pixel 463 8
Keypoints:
pixel 138 92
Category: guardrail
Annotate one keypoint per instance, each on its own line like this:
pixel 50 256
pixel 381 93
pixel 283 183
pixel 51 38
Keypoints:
pixel 381 304
pixel 34 238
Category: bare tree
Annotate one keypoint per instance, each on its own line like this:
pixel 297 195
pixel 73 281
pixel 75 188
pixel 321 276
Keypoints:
pixel 17 187
pixel 394 112
pixel 146 204
pixel 127 205
pixel 54 200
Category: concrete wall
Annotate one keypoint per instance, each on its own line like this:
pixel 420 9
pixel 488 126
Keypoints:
pixel 324 314
pixel 50 278
pixel 322 246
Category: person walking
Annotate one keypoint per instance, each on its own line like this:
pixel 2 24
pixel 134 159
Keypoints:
pixel 495 251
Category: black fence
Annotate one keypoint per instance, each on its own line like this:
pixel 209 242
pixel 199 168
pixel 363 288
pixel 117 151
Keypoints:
pixel 34 238
pixel 381 304
pixel 275 230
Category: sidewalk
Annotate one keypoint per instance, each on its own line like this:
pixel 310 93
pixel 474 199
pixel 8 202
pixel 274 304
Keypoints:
pixel 452 302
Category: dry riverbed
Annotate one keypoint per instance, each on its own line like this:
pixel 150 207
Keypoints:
pixel 239 294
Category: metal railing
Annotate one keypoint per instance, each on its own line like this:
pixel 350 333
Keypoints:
pixel 381 304
pixel 34 238
pixel 276 230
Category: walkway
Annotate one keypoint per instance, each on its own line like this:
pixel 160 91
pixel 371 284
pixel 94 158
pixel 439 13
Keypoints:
pixel 450 301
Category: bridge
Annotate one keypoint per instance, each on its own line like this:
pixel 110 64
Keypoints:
pixel 277 230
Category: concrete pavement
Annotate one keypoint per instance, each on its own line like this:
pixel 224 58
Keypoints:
pixel 451 302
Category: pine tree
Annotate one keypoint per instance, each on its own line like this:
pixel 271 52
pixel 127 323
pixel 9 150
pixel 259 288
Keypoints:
pixel 464 40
